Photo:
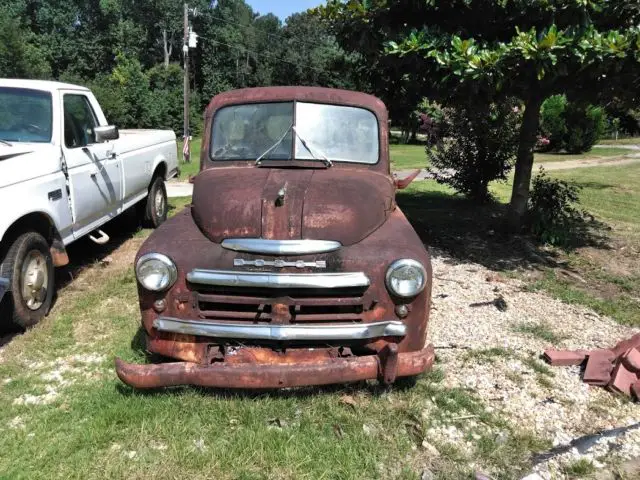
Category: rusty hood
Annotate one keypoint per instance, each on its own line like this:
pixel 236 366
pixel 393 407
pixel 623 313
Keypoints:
pixel 339 204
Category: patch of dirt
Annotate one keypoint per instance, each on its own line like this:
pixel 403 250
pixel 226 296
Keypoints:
pixel 590 162
pixel 553 403
pixel 620 260
pixel 57 375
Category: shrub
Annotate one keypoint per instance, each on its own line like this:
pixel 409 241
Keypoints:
pixel 481 147
pixel 552 122
pixel 554 213
pixel 585 125
pixel 570 126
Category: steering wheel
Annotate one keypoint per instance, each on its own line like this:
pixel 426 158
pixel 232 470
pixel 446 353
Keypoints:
pixel 238 151
pixel 30 127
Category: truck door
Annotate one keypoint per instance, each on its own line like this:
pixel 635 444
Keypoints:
pixel 94 170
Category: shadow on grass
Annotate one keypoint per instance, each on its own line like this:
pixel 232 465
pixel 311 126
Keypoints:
pixel 593 185
pixel 469 231
pixel 84 253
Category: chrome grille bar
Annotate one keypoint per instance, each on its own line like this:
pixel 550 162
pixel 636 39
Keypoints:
pixel 280 247
pixel 231 278
pixel 333 332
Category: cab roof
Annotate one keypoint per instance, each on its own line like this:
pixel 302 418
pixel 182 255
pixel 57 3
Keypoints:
pixel 332 96
pixel 44 85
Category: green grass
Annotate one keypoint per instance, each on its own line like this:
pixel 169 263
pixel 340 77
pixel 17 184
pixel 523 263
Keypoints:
pixel 191 168
pixel 594 153
pixel 488 355
pixel 622 141
pixel 541 330
pixel 580 469
pixel 405 157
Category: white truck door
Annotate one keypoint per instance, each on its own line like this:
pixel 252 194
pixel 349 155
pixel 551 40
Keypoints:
pixel 94 169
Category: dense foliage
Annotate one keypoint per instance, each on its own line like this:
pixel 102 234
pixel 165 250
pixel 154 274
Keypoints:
pixel 130 52
pixel 528 49
pixel 554 213
pixel 570 126
pixel 481 147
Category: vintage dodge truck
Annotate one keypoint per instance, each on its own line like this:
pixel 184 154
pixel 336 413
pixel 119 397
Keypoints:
pixel 293 265
pixel 64 172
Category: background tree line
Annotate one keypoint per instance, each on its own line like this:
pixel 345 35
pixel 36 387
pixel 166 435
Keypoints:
pixel 130 52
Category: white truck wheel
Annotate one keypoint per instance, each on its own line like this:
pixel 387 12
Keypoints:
pixel 29 268
pixel 157 206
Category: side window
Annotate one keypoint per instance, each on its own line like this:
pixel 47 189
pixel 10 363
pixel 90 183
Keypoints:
pixel 79 121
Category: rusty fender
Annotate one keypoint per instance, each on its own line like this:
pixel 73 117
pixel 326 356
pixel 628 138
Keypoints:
pixel 387 365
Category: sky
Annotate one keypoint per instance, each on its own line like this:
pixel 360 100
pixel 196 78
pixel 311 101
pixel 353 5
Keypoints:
pixel 282 8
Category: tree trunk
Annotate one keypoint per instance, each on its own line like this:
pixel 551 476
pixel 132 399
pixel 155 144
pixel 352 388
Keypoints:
pixel 167 48
pixel 524 162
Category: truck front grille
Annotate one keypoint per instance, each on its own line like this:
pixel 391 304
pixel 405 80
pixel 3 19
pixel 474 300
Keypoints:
pixel 282 307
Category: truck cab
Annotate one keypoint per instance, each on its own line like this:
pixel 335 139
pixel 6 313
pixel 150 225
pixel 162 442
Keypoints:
pixel 65 172
pixel 293 265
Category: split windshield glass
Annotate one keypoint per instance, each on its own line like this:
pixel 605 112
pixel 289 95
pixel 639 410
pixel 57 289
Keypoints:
pixel 343 134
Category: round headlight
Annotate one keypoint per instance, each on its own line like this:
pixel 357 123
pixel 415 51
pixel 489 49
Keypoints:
pixel 156 272
pixel 406 278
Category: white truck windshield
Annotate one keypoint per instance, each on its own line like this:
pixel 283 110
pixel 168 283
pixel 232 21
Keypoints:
pixel 339 133
pixel 25 115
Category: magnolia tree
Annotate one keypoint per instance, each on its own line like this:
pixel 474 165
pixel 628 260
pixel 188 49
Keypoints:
pixel 529 49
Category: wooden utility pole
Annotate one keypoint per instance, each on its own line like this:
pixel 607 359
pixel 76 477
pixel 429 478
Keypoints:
pixel 185 51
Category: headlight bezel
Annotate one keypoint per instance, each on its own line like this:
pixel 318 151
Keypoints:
pixel 166 261
pixel 400 263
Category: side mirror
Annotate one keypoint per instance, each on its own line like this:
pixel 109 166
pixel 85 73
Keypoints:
pixel 109 132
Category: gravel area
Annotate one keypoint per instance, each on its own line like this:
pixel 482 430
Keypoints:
pixel 511 379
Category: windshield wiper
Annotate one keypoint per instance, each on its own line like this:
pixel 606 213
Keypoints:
pixel 273 147
pixel 326 160
pixel 6 143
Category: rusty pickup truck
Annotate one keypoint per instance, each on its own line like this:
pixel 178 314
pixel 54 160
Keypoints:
pixel 293 265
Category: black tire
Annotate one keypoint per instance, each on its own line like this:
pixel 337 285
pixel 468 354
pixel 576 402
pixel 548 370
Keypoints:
pixel 154 216
pixel 406 383
pixel 14 307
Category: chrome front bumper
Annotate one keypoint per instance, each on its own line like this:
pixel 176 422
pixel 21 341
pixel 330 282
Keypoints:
pixel 232 278
pixel 251 331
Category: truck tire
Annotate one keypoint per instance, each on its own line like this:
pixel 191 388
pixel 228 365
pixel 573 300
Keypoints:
pixel 406 383
pixel 156 208
pixel 29 268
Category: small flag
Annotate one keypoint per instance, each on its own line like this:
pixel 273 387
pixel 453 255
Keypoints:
pixel 186 149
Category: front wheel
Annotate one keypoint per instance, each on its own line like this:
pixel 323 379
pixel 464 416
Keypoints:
pixel 156 208
pixel 29 268
pixel 406 383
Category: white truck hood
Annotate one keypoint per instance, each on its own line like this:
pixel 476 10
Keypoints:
pixel 22 161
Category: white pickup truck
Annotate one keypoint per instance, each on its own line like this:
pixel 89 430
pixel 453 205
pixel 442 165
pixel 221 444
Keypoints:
pixel 64 172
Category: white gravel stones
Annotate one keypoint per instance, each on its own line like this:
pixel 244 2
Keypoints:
pixel 514 383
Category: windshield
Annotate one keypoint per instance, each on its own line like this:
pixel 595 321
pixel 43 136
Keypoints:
pixel 25 115
pixel 266 130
